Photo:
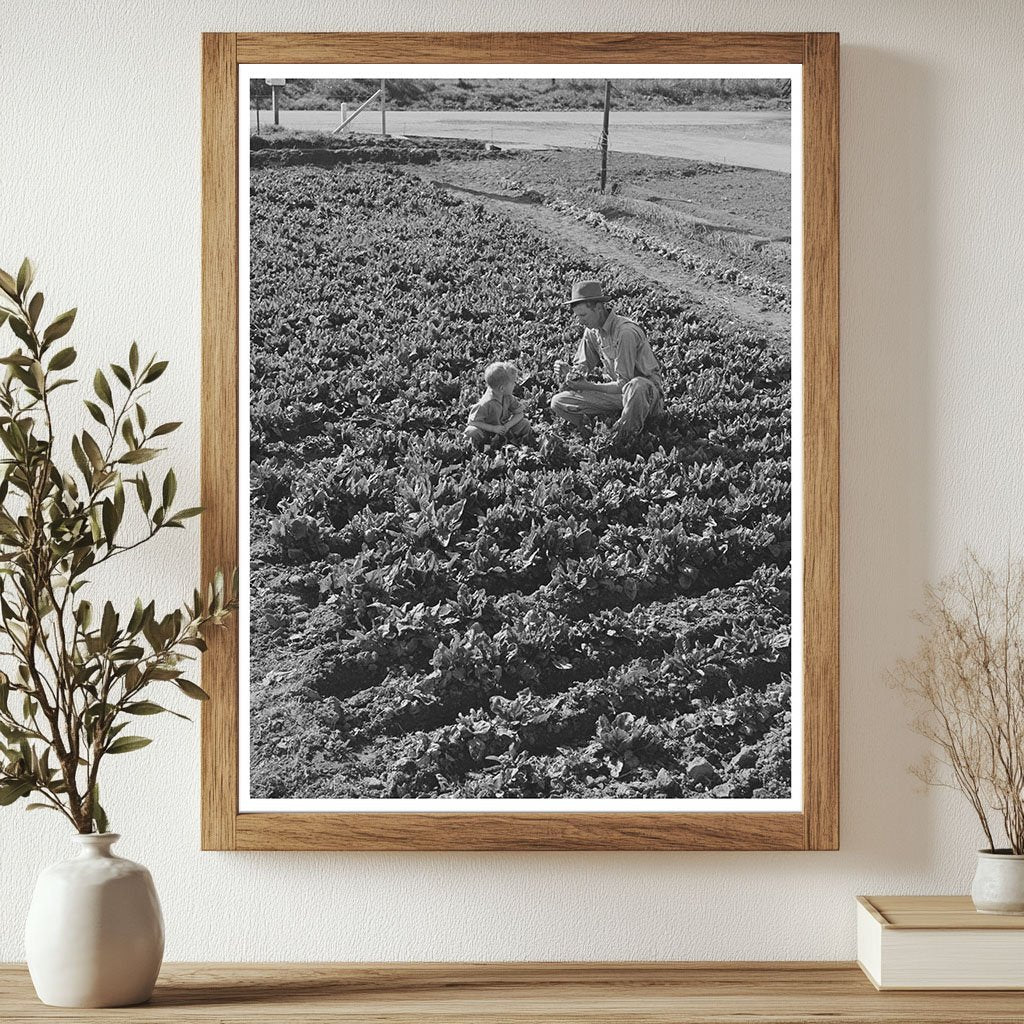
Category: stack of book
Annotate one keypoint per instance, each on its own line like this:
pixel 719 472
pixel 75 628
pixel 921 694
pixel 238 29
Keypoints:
pixel 938 942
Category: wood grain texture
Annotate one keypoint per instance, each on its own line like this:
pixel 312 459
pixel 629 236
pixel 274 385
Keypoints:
pixel 821 440
pixel 219 440
pixel 575 831
pixel 936 912
pixel 522 47
pixel 817 826
pixel 618 993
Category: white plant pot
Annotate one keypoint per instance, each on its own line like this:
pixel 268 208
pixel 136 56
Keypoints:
pixel 95 933
pixel 999 883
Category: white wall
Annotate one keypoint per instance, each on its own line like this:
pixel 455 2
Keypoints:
pixel 100 183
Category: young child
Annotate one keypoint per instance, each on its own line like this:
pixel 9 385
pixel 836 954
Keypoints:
pixel 498 414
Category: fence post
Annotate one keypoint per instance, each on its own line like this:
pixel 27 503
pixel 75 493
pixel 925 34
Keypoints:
pixel 604 132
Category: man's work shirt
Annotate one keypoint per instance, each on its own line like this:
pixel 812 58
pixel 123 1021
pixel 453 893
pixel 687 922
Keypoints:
pixel 621 349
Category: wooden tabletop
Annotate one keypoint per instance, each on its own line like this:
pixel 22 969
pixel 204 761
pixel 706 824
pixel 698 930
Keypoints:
pixel 647 993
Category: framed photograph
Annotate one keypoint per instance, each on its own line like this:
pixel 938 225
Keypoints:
pixel 520 420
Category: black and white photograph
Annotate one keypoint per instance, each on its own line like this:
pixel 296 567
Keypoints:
pixel 520 382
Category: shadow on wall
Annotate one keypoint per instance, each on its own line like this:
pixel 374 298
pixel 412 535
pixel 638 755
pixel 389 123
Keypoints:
pixel 888 270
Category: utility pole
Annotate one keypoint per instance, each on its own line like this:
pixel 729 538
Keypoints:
pixel 383 106
pixel 604 132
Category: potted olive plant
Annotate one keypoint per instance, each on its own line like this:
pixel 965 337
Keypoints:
pixel 80 671
pixel 967 683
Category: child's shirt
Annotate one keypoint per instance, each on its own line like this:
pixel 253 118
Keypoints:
pixel 494 409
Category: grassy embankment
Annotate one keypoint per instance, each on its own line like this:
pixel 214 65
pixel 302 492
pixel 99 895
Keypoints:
pixel 534 94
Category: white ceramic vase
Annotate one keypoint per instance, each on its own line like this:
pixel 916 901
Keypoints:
pixel 999 883
pixel 95 933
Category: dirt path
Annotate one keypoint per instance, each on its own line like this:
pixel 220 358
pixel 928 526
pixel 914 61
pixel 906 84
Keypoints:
pixel 602 248
pixel 749 138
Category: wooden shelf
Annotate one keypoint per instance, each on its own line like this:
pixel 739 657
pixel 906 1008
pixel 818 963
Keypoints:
pixel 617 993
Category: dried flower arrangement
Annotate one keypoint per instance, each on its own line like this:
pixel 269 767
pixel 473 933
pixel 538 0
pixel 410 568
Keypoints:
pixel 967 682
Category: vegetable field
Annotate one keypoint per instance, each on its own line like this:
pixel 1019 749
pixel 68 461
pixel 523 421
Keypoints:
pixel 574 618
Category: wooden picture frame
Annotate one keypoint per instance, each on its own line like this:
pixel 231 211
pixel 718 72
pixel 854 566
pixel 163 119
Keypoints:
pixel 816 826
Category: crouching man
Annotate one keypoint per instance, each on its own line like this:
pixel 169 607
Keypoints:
pixel 618 347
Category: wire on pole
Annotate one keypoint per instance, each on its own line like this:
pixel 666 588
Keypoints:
pixel 350 117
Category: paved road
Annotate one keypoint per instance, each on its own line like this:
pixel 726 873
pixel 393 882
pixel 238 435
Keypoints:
pixel 756 138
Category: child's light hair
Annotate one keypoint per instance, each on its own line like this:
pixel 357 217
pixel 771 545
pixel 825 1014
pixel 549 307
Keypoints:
pixel 498 374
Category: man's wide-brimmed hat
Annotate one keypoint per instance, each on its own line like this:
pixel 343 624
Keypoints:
pixel 586 291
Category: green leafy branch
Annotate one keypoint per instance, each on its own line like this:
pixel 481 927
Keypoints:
pixel 81 674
